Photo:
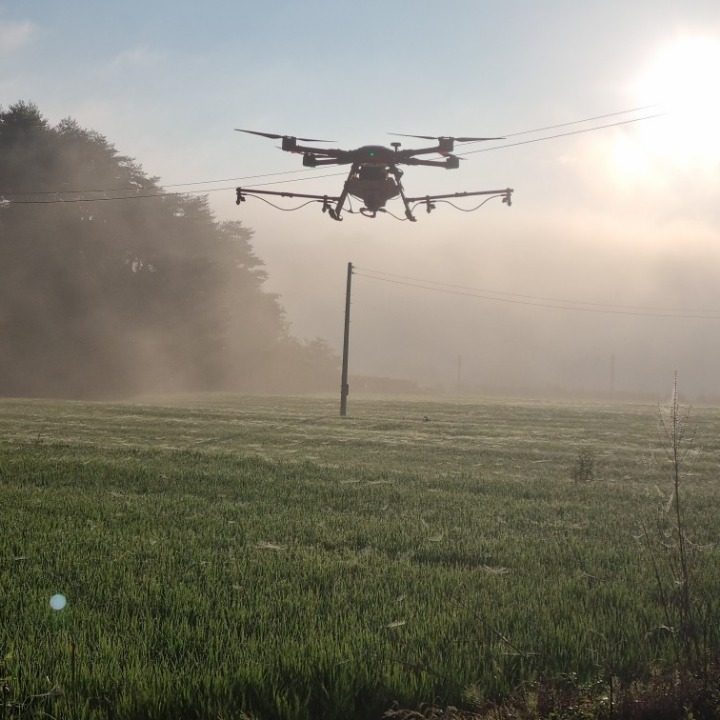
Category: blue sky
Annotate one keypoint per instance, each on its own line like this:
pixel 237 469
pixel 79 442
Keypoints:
pixel 167 81
pixel 596 216
pixel 345 69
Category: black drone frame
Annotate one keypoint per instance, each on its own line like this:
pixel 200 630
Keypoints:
pixel 372 155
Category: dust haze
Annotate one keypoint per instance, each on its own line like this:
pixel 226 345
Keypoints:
pixel 587 286
pixel 111 287
pixel 603 294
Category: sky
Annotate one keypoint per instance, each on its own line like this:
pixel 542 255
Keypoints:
pixel 621 224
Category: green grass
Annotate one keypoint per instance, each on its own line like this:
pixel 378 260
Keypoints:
pixel 226 554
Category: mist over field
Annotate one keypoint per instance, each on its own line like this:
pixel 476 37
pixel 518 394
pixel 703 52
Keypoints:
pixel 157 294
pixel 524 300
pixel 600 280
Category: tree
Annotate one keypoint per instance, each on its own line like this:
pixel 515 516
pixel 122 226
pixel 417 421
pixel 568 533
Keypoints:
pixel 113 297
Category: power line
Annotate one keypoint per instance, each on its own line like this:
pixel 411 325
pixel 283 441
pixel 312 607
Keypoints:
pixel 58 201
pixel 140 196
pixel 577 122
pixel 566 301
pixel 564 134
pixel 539 302
pixel 244 177
pixel 165 185
pixel 311 177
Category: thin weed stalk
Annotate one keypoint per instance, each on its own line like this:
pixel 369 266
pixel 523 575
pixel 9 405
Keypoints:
pixel 677 605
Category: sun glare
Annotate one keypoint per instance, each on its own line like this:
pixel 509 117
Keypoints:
pixel 681 80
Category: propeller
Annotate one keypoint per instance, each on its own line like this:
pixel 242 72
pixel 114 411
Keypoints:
pixel 456 139
pixel 275 136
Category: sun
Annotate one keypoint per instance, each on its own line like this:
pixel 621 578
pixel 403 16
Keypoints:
pixel 681 81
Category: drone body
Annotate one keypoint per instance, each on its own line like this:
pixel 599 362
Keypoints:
pixel 374 175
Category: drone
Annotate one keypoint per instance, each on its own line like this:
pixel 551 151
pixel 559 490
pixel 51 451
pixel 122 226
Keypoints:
pixel 374 176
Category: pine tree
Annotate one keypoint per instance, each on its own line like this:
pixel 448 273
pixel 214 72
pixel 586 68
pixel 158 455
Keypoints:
pixel 114 297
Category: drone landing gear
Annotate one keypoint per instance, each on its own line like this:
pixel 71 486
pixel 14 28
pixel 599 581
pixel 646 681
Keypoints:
pixel 335 213
pixel 330 210
pixel 408 212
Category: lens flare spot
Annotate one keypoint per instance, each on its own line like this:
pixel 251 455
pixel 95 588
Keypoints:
pixel 58 602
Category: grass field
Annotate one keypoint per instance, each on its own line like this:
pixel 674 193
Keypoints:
pixel 222 555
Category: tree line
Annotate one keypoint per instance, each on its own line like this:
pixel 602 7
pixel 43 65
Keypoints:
pixel 120 297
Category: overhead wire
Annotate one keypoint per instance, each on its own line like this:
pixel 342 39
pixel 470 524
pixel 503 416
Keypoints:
pixel 164 185
pixel 5 194
pixel 573 122
pixel 140 196
pixel 536 301
pixel 311 177
pixel 563 134
pixel 533 297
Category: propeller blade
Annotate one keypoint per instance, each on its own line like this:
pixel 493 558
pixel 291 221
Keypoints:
pixel 314 140
pixel 456 139
pixel 476 139
pixel 272 136
pixel 276 136
pixel 421 137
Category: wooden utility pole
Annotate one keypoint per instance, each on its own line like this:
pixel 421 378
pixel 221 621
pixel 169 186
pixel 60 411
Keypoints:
pixel 344 386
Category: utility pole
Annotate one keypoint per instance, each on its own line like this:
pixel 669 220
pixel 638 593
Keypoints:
pixel 344 386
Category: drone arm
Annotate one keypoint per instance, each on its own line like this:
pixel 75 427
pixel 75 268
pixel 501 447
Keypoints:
pixel 449 163
pixel 310 160
pixel 319 152
pixel 445 145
